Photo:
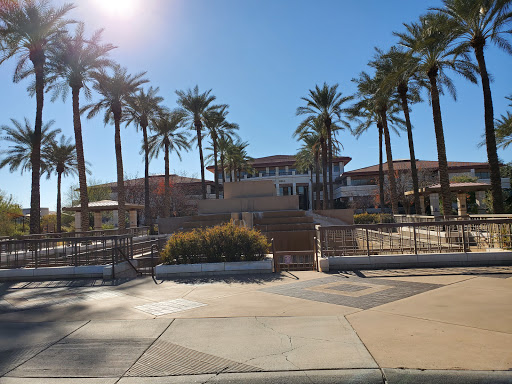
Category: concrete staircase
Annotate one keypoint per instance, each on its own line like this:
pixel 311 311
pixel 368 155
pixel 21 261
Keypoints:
pixel 205 221
pixel 291 230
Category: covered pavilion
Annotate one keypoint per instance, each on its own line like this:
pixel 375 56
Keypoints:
pixel 461 190
pixel 98 207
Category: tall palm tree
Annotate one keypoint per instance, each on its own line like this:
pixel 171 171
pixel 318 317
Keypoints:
pixel 308 158
pixel 431 41
pixel 504 130
pixel 218 127
pixel 479 22
pixel 326 102
pixel 22 136
pixel 72 61
pixel 317 129
pixel 27 29
pixel 115 90
pixel 238 160
pixel 403 79
pixel 61 158
pixel 144 107
pixel 223 144
pixel 195 106
pixel 378 102
pixel 168 138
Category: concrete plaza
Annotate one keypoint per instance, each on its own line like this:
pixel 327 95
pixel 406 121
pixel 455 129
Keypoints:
pixel 395 326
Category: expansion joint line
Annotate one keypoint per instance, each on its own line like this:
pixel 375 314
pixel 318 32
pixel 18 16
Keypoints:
pixel 145 350
pixel 383 374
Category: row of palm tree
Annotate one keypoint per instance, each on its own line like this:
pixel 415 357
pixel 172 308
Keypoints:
pixel 439 42
pixel 34 31
pixel 58 156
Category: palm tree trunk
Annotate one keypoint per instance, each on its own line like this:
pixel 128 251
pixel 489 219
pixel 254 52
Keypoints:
pixel 216 166
pixel 490 136
pixel 35 156
pixel 329 164
pixel 167 189
pixel 391 170
pixel 148 221
pixel 82 178
pixel 59 207
pixel 120 174
pixel 325 204
pixel 201 159
pixel 317 179
pixel 414 171
pixel 381 169
pixel 223 169
pixel 444 178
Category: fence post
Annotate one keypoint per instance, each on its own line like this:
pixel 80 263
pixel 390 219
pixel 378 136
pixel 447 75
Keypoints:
pixel 464 245
pixel 316 253
pixel 367 242
pixel 114 257
pixel 35 255
pixel 415 244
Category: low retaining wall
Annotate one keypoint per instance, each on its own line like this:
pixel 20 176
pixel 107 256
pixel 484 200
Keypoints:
pixel 428 260
pixel 122 270
pixel 212 269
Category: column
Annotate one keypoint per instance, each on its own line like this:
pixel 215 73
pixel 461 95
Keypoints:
pixel 294 189
pixel 342 168
pixel 277 190
pixel 422 205
pixel 208 189
pixel 133 219
pixel 434 204
pixel 115 218
pixel 461 204
pixel 349 181
pixel 480 202
pixel 97 220
pixel 78 221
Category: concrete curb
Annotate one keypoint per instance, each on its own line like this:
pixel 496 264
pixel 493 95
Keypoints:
pixel 213 269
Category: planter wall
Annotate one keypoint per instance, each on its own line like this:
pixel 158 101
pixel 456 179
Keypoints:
pixel 211 269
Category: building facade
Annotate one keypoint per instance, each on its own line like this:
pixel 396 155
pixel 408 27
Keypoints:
pixel 282 170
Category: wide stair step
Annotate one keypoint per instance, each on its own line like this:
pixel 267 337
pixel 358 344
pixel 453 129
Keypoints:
pixel 285 227
pixel 283 220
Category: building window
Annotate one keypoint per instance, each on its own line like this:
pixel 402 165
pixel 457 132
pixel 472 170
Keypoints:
pixel 285 191
pixel 272 172
pixel 336 169
pixel 363 182
pixel 483 175
pixel 282 172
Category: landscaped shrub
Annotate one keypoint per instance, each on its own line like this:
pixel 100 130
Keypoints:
pixel 373 218
pixel 217 244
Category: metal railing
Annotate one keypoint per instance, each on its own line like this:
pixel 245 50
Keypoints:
pixel 137 231
pixel 415 238
pixel 426 218
pixel 73 251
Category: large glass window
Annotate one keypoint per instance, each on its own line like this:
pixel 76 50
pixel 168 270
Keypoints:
pixel 282 172
pixel 483 175
pixel 363 182
pixel 336 169
pixel 272 172
pixel 285 191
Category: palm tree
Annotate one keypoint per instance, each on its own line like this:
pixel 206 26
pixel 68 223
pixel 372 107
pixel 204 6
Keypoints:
pixel 326 102
pixel 60 158
pixel 403 79
pixel 144 107
pixel 431 41
pixel 168 138
pixel 477 23
pixel 72 61
pixel 195 106
pixel 504 130
pixel 377 102
pixel 223 144
pixel 115 90
pixel 218 127
pixel 238 160
pixel 316 128
pixel 22 137
pixel 27 29
pixel 308 159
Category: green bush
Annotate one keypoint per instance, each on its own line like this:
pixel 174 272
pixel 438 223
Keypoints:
pixel 217 244
pixel 373 218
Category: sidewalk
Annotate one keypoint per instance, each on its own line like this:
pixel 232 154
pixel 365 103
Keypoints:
pixel 408 326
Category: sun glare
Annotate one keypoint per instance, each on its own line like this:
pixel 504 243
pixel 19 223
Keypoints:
pixel 119 8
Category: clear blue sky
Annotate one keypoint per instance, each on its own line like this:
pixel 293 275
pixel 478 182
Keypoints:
pixel 260 57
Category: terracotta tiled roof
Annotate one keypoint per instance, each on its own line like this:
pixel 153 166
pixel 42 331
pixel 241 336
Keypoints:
pixel 175 179
pixel 404 165
pixel 282 161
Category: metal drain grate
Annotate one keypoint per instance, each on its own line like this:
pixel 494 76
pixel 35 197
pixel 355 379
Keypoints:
pixel 167 359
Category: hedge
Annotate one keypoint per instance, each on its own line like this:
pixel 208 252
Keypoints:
pixel 221 243
pixel 373 218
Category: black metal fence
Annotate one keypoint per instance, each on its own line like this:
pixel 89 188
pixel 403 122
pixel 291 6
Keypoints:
pixel 416 237
pixel 73 251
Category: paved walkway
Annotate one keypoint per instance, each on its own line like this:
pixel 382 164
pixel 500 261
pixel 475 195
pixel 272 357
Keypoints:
pixel 404 326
